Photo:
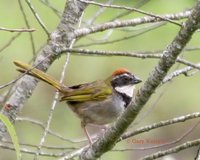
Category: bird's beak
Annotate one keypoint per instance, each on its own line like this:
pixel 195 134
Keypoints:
pixel 136 80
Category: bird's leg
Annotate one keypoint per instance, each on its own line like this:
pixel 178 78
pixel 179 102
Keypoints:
pixel 83 125
pixel 102 127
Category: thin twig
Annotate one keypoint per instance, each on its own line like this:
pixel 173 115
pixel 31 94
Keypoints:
pixel 98 13
pixel 138 5
pixel 28 25
pixel 105 42
pixel 11 82
pixel 27 151
pixel 131 9
pixel 192 49
pixel 124 53
pixel 10 41
pixel 161 124
pixel 172 150
pixel 17 30
pixel 38 17
pixel 48 4
pixel 178 72
pixel 49 147
pixel 43 126
pixel 150 108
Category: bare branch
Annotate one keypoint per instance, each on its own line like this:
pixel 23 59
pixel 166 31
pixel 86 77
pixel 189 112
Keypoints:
pixel 178 72
pixel 132 22
pixel 37 17
pixel 106 41
pixel 107 141
pixel 27 151
pixel 28 25
pixel 173 150
pixel 49 147
pixel 98 13
pixel 124 53
pixel 53 133
pixel 161 124
pixel 10 41
pixel 17 30
pixel 164 143
pixel 138 5
pixel 48 4
pixel 10 83
pixel 131 9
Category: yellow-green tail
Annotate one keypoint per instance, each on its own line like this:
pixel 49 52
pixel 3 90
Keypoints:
pixel 38 74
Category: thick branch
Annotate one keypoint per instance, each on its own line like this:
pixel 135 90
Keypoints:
pixel 60 38
pixel 107 141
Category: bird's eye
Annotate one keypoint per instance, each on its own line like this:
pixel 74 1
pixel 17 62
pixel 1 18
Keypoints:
pixel 126 79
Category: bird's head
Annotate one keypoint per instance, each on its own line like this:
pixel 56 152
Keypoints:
pixel 124 81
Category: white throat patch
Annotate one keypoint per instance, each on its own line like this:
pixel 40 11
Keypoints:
pixel 128 90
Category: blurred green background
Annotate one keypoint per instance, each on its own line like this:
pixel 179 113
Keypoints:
pixel 181 96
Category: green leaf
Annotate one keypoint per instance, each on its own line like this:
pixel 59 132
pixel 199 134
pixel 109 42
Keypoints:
pixel 12 132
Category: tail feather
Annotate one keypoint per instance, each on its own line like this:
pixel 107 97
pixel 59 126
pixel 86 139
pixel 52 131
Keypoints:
pixel 23 67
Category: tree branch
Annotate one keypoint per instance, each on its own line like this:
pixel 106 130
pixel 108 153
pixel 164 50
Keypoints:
pixel 161 124
pixel 125 23
pixel 173 150
pixel 124 53
pixel 108 140
pixel 60 38
pixel 17 30
pixel 131 9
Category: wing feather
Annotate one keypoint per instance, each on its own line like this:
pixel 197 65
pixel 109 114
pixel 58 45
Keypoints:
pixel 87 92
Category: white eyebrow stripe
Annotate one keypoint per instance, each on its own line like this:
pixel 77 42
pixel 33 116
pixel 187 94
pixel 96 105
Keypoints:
pixel 121 75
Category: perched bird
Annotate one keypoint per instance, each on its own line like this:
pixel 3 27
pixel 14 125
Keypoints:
pixel 100 102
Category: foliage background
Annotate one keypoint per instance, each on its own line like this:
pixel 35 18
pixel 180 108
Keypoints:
pixel 181 96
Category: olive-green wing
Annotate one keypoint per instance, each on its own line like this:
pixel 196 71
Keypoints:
pixel 97 90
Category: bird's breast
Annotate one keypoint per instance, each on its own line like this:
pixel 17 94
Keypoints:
pixel 99 112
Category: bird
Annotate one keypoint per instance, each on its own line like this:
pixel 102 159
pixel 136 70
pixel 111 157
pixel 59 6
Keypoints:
pixel 99 102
